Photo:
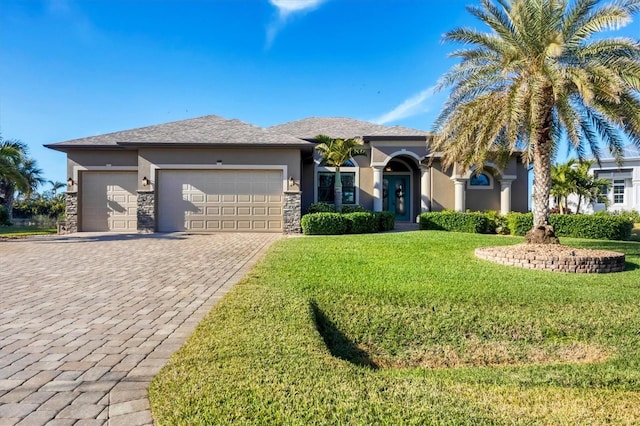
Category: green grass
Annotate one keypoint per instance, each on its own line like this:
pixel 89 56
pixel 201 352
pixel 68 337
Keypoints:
pixel 410 328
pixel 24 231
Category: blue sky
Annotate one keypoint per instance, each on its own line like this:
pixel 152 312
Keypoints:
pixel 71 69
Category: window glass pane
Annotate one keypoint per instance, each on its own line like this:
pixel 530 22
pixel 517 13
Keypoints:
pixel 480 179
pixel 326 190
pixel 618 191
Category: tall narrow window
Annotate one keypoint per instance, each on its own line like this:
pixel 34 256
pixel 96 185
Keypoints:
pixel 618 191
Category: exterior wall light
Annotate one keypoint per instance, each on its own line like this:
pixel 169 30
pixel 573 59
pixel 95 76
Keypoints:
pixel 219 162
pixel 145 181
pixel 70 182
pixel 292 182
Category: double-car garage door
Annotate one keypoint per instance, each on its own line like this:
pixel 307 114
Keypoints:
pixel 220 200
pixel 187 200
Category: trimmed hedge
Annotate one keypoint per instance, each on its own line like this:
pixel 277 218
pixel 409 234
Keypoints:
pixel 361 222
pixel 519 223
pixel 321 207
pixel 456 221
pixel 324 224
pixel 599 227
pixel 386 221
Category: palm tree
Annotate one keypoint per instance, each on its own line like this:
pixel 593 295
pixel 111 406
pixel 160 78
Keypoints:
pixel 18 172
pixel 336 152
pixel 588 187
pixel 563 183
pixel 537 76
pixel 55 185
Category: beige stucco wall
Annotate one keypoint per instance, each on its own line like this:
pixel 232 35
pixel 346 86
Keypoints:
pixel 520 189
pixel 442 195
pixel 480 199
pixel 100 158
pixel 228 156
pixel 381 150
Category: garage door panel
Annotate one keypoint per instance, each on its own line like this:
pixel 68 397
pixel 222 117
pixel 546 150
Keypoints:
pixel 109 201
pixel 222 200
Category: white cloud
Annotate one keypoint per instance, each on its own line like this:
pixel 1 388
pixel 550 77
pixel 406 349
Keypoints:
pixel 286 8
pixel 414 105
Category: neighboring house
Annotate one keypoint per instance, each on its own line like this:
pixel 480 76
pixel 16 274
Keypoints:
pixel 623 190
pixel 214 174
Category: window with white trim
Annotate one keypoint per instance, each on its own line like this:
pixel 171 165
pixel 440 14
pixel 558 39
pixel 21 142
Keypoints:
pixel 618 191
pixel 326 189
pixel 480 180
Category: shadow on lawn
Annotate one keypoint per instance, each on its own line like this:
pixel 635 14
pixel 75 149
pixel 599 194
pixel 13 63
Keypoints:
pixel 337 342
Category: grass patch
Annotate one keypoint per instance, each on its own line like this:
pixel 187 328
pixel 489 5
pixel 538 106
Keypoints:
pixel 24 231
pixel 410 328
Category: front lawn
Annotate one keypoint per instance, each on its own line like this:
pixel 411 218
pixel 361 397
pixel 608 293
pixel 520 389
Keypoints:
pixel 410 328
pixel 24 231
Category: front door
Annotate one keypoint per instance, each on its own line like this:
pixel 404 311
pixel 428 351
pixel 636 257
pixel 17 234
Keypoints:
pixel 396 196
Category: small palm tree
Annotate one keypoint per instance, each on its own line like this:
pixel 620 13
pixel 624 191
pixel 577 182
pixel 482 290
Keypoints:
pixel 336 152
pixel 18 172
pixel 540 74
pixel 55 185
pixel 563 183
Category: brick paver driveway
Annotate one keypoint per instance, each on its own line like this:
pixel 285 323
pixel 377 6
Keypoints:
pixel 87 320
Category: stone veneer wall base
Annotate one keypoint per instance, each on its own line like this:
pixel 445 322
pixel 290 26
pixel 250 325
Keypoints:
pixel 146 211
pixel 71 212
pixel 292 211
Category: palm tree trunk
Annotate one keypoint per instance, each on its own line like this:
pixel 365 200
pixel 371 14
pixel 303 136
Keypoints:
pixel 337 191
pixel 542 170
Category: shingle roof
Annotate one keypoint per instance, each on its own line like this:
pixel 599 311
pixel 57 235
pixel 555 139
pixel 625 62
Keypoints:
pixel 207 130
pixel 336 127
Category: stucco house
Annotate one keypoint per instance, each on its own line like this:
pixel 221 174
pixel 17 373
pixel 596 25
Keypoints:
pixel 623 190
pixel 215 174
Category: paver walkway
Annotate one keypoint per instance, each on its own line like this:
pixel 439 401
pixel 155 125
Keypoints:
pixel 87 320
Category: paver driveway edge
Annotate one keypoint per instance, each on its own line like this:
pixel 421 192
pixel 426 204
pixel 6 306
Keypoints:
pixel 87 320
pixel 129 399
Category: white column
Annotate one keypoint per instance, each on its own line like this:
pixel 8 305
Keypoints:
pixel 505 196
pixel 425 188
pixel 460 189
pixel 377 188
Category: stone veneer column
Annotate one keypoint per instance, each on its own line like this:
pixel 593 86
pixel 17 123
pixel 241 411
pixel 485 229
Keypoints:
pixel 146 211
pixel 292 211
pixel 71 201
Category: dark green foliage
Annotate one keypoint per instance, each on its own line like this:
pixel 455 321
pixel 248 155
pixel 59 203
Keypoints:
pixel 519 223
pixel 53 207
pixel 321 207
pixel 4 216
pixel 599 227
pixel 386 221
pixel 477 223
pixel 324 224
pixel 352 208
pixel 361 222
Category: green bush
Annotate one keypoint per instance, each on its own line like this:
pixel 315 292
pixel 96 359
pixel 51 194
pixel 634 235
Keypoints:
pixel 324 224
pixel 352 208
pixel 632 215
pixel 4 216
pixel 386 221
pixel 321 207
pixel 598 226
pixel 361 222
pixel 519 223
pixel 477 223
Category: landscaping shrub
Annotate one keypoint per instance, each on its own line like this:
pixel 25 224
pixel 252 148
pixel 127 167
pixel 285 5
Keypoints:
pixel 386 221
pixel 361 222
pixel 352 208
pixel 4 216
pixel 324 224
pixel 598 226
pixel 321 207
pixel 477 223
pixel 519 223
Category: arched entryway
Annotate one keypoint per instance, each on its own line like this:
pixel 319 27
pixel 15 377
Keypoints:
pixel 400 188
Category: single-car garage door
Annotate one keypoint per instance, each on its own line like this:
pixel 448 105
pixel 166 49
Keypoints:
pixel 109 201
pixel 220 200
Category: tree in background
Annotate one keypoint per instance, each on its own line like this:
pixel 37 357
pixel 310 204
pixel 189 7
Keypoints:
pixel 18 173
pixel 335 153
pixel 544 71
pixel 573 178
